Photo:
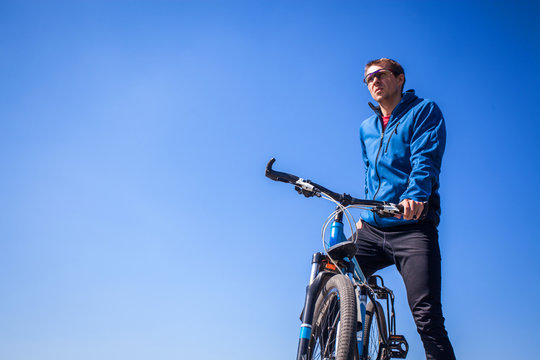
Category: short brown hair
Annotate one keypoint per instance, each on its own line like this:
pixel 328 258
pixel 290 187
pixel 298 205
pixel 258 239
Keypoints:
pixel 390 64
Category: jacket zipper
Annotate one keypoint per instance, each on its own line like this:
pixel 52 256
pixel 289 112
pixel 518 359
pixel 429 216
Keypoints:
pixel 377 173
pixel 365 179
pixel 392 133
pixel 376 161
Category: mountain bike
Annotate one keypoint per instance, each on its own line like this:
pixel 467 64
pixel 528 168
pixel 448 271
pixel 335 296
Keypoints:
pixel 342 317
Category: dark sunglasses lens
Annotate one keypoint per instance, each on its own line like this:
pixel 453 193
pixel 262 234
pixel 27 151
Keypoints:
pixel 369 78
pixel 384 73
pixel 379 74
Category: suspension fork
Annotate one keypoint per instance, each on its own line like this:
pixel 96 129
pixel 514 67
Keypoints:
pixel 312 290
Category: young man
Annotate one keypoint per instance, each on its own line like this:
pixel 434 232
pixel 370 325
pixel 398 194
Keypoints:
pixel 402 148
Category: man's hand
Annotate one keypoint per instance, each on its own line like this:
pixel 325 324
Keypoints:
pixel 359 224
pixel 411 209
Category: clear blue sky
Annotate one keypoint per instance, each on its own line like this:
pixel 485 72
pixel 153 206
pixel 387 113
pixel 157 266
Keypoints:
pixel 135 220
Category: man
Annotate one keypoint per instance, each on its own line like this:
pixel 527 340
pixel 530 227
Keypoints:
pixel 402 148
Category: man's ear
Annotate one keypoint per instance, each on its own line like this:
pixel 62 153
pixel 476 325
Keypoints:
pixel 401 79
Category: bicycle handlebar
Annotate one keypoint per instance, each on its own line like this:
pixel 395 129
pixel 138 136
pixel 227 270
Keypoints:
pixel 309 188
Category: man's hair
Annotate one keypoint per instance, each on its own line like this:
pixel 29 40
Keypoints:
pixel 393 65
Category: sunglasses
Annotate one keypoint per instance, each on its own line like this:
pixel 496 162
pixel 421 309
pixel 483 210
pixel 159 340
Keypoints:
pixel 379 74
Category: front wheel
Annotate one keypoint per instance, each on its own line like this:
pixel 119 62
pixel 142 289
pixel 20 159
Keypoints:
pixel 334 321
pixel 375 333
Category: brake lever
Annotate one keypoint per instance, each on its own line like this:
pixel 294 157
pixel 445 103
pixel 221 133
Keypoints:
pixel 389 210
pixel 305 188
pixel 304 192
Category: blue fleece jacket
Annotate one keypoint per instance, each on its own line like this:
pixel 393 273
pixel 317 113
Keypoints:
pixel 404 160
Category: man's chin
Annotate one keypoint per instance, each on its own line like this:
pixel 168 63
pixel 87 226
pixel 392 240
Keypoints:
pixel 378 98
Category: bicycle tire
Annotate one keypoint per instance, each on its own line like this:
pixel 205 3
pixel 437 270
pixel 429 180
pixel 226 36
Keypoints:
pixel 375 333
pixel 333 333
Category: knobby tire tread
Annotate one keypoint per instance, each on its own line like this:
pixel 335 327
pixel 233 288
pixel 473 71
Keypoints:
pixel 347 312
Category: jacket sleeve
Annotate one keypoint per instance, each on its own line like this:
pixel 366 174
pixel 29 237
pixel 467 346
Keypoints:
pixel 427 148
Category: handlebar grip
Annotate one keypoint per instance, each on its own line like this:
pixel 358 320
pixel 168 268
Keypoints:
pixel 278 175
pixel 424 213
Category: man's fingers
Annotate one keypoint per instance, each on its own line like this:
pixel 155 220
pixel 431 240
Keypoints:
pixel 407 211
pixel 412 209
pixel 419 208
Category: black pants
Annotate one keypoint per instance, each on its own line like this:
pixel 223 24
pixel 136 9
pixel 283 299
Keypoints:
pixel 414 249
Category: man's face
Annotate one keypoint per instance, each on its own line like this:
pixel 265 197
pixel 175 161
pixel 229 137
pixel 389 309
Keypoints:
pixel 382 83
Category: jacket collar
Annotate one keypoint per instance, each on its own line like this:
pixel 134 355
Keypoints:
pixel 408 97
